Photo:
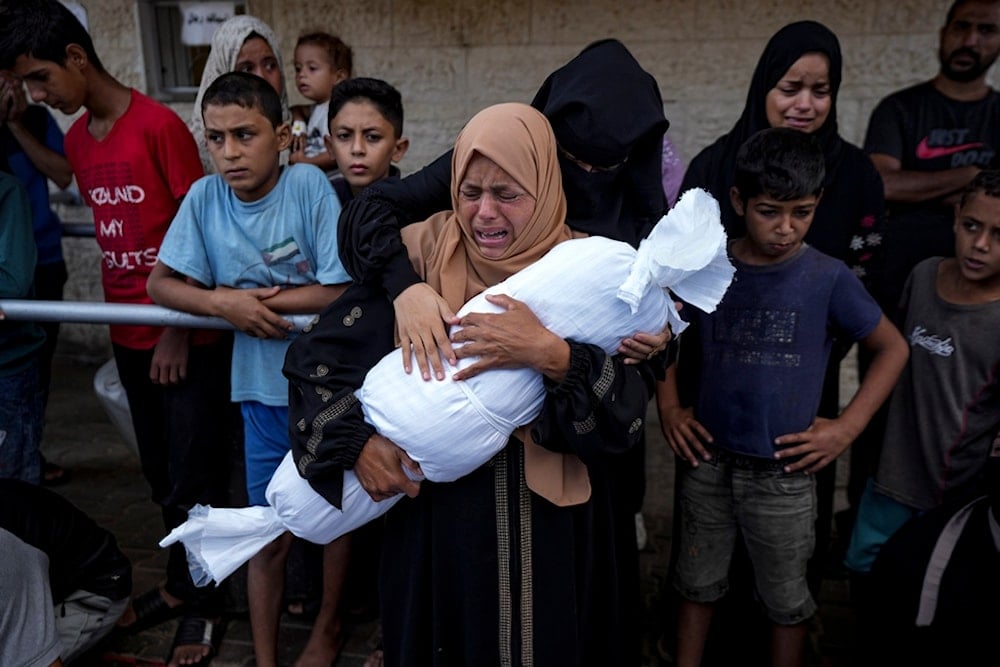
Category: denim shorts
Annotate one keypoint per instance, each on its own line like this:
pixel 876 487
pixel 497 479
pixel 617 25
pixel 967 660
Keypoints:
pixel 265 443
pixel 21 426
pixel 776 513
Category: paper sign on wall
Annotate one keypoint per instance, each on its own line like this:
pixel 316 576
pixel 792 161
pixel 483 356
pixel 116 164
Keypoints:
pixel 200 19
pixel 79 11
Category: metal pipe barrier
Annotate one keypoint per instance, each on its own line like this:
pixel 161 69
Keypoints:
pixel 78 230
pixel 84 312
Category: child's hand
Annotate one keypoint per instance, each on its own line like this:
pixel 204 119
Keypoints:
pixel 170 357
pixel 644 346
pixel 685 434
pixel 12 99
pixel 298 149
pixel 379 469
pixel 819 445
pixel 244 310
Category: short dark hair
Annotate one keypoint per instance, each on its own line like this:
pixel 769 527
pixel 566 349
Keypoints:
pixel 954 7
pixel 986 181
pixel 383 96
pixel 780 162
pixel 340 54
pixel 41 29
pixel 245 90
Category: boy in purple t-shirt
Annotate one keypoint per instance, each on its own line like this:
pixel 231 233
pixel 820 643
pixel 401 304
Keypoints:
pixel 751 441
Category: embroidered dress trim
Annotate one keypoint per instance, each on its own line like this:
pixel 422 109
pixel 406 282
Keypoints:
pixel 527 580
pixel 503 555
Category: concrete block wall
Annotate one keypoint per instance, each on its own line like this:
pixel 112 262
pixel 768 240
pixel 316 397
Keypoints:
pixel 450 58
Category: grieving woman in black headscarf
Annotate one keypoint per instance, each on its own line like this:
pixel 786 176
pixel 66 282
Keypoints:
pixel 607 116
pixel 795 84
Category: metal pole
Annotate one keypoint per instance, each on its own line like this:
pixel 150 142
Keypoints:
pixel 119 313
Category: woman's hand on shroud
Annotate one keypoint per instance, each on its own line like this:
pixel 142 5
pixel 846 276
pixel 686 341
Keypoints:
pixel 379 469
pixel 422 318
pixel 512 339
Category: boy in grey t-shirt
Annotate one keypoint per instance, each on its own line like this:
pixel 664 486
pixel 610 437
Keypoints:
pixel 945 411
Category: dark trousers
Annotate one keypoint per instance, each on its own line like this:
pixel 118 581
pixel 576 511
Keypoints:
pixel 49 282
pixel 186 435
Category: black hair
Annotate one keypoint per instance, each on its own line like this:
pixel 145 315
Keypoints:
pixel 41 29
pixel 954 8
pixel 245 90
pixel 986 181
pixel 340 54
pixel 384 97
pixel 780 162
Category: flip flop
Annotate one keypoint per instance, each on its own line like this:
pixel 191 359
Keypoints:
pixel 198 631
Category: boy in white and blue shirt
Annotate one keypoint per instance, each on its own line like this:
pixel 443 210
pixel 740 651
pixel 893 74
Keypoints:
pixel 252 242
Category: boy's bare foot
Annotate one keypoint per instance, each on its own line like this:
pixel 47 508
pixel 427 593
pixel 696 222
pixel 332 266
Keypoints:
pixel 188 654
pixel 322 648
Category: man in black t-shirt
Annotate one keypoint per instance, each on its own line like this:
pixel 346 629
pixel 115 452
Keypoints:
pixel 929 141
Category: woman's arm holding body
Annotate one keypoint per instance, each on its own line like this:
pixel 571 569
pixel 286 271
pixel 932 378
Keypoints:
pixel 595 403
pixel 598 409
pixel 373 252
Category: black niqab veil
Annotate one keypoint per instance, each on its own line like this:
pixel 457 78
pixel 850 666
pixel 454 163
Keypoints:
pixel 782 50
pixel 604 110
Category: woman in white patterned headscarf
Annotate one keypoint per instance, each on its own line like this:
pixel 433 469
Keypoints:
pixel 241 44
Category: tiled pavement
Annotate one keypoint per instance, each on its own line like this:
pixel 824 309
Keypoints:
pixel 107 484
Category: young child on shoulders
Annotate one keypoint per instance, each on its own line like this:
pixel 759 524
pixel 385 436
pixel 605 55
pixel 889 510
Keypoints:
pixel 945 411
pixel 321 62
pixel 751 443
pixel 248 244
pixel 365 134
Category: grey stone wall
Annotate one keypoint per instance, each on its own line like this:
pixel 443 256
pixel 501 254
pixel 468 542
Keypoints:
pixel 450 58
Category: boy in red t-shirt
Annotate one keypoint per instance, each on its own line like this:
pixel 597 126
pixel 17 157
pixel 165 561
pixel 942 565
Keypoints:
pixel 134 159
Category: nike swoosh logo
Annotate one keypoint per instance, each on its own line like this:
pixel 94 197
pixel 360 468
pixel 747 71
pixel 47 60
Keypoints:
pixel 925 152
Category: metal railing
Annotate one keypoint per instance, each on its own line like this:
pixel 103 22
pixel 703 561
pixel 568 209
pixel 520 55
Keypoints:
pixel 87 312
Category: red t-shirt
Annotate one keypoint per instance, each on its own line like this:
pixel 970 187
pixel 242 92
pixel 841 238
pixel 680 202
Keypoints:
pixel 133 180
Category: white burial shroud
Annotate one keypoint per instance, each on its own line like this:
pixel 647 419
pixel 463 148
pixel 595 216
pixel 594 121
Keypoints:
pixel 591 290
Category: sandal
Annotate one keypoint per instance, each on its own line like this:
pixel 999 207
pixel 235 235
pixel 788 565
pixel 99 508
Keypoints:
pixel 150 609
pixel 198 631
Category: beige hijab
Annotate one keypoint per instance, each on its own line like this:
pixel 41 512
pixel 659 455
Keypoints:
pixel 519 140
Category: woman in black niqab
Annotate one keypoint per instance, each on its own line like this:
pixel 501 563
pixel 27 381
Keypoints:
pixel 607 114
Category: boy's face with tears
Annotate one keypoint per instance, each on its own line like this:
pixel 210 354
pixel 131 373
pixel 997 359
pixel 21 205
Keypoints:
pixel 245 146
pixel 775 228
